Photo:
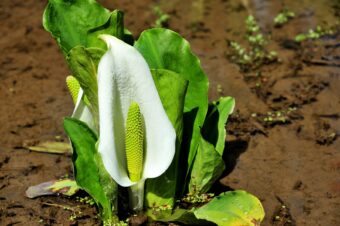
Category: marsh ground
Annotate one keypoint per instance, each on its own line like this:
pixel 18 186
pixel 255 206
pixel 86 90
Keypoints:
pixel 292 166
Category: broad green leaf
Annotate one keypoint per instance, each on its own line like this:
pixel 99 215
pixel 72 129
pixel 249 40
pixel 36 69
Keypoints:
pixel 207 168
pixel 50 147
pixel 69 21
pixel 214 125
pixel 110 189
pixel 84 63
pixel 208 164
pixel 237 208
pixel 161 191
pixel 88 170
pixel 66 187
pixel 79 22
pixel 165 49
pixel 171 88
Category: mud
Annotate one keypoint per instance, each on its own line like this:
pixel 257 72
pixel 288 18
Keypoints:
pixel 282 141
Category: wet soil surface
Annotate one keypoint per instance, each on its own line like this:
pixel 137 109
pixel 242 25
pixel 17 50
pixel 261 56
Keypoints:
pixel 282 141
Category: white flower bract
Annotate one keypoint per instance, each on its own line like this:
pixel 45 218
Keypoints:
pixel 124 77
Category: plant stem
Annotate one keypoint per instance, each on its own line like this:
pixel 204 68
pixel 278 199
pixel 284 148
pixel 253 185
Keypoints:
pixel 136 196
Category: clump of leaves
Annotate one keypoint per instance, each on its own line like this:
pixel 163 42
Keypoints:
pixel 162 17
pixel 256 54
pixel 174 72
pixel 283 17
pixel 314 34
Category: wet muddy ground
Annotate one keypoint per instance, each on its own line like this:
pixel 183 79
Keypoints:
pixel 282 144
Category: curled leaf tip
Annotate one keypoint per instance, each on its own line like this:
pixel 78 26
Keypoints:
pixel 109 39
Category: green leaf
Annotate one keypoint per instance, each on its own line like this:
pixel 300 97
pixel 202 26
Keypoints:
pixel 161 191
pixel 233 208
pixel 70 20
pixel 88 170
pixel 214 125
pixel 165 49
pixel 79 22
pixel 207 168
pixel 300 37
pixel 84 63
pixel 172 96
pixel 208 164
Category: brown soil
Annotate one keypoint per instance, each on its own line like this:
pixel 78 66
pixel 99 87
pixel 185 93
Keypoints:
pixel 293 166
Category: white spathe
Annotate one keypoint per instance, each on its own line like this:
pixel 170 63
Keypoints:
pixel 82 112
pixel 124 77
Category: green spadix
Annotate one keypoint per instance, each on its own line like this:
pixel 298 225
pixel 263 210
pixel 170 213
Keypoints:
pixel 134 142
pixel 73 86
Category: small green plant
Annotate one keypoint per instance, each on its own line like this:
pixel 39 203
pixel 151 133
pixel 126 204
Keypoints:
pixel 198 199
pixel 158 209
pixel 86 200
pixel 314 34
pixel 162 18
pixel 283 17
pixel 219 89
pixel 254 35
pixel 272 118
pixel 257 54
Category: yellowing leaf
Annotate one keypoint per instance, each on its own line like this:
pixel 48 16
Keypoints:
pixel 54 147
pixel 66 187
pixel 234 208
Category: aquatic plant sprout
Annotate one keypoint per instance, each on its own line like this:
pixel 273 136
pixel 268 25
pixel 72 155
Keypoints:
pixel 124 78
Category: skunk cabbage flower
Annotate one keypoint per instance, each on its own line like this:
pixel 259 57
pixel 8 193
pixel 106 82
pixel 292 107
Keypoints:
pixel 136 138
pixel 81 110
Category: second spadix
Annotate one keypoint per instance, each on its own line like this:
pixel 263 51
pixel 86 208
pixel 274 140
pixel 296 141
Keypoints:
pixel 125 82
